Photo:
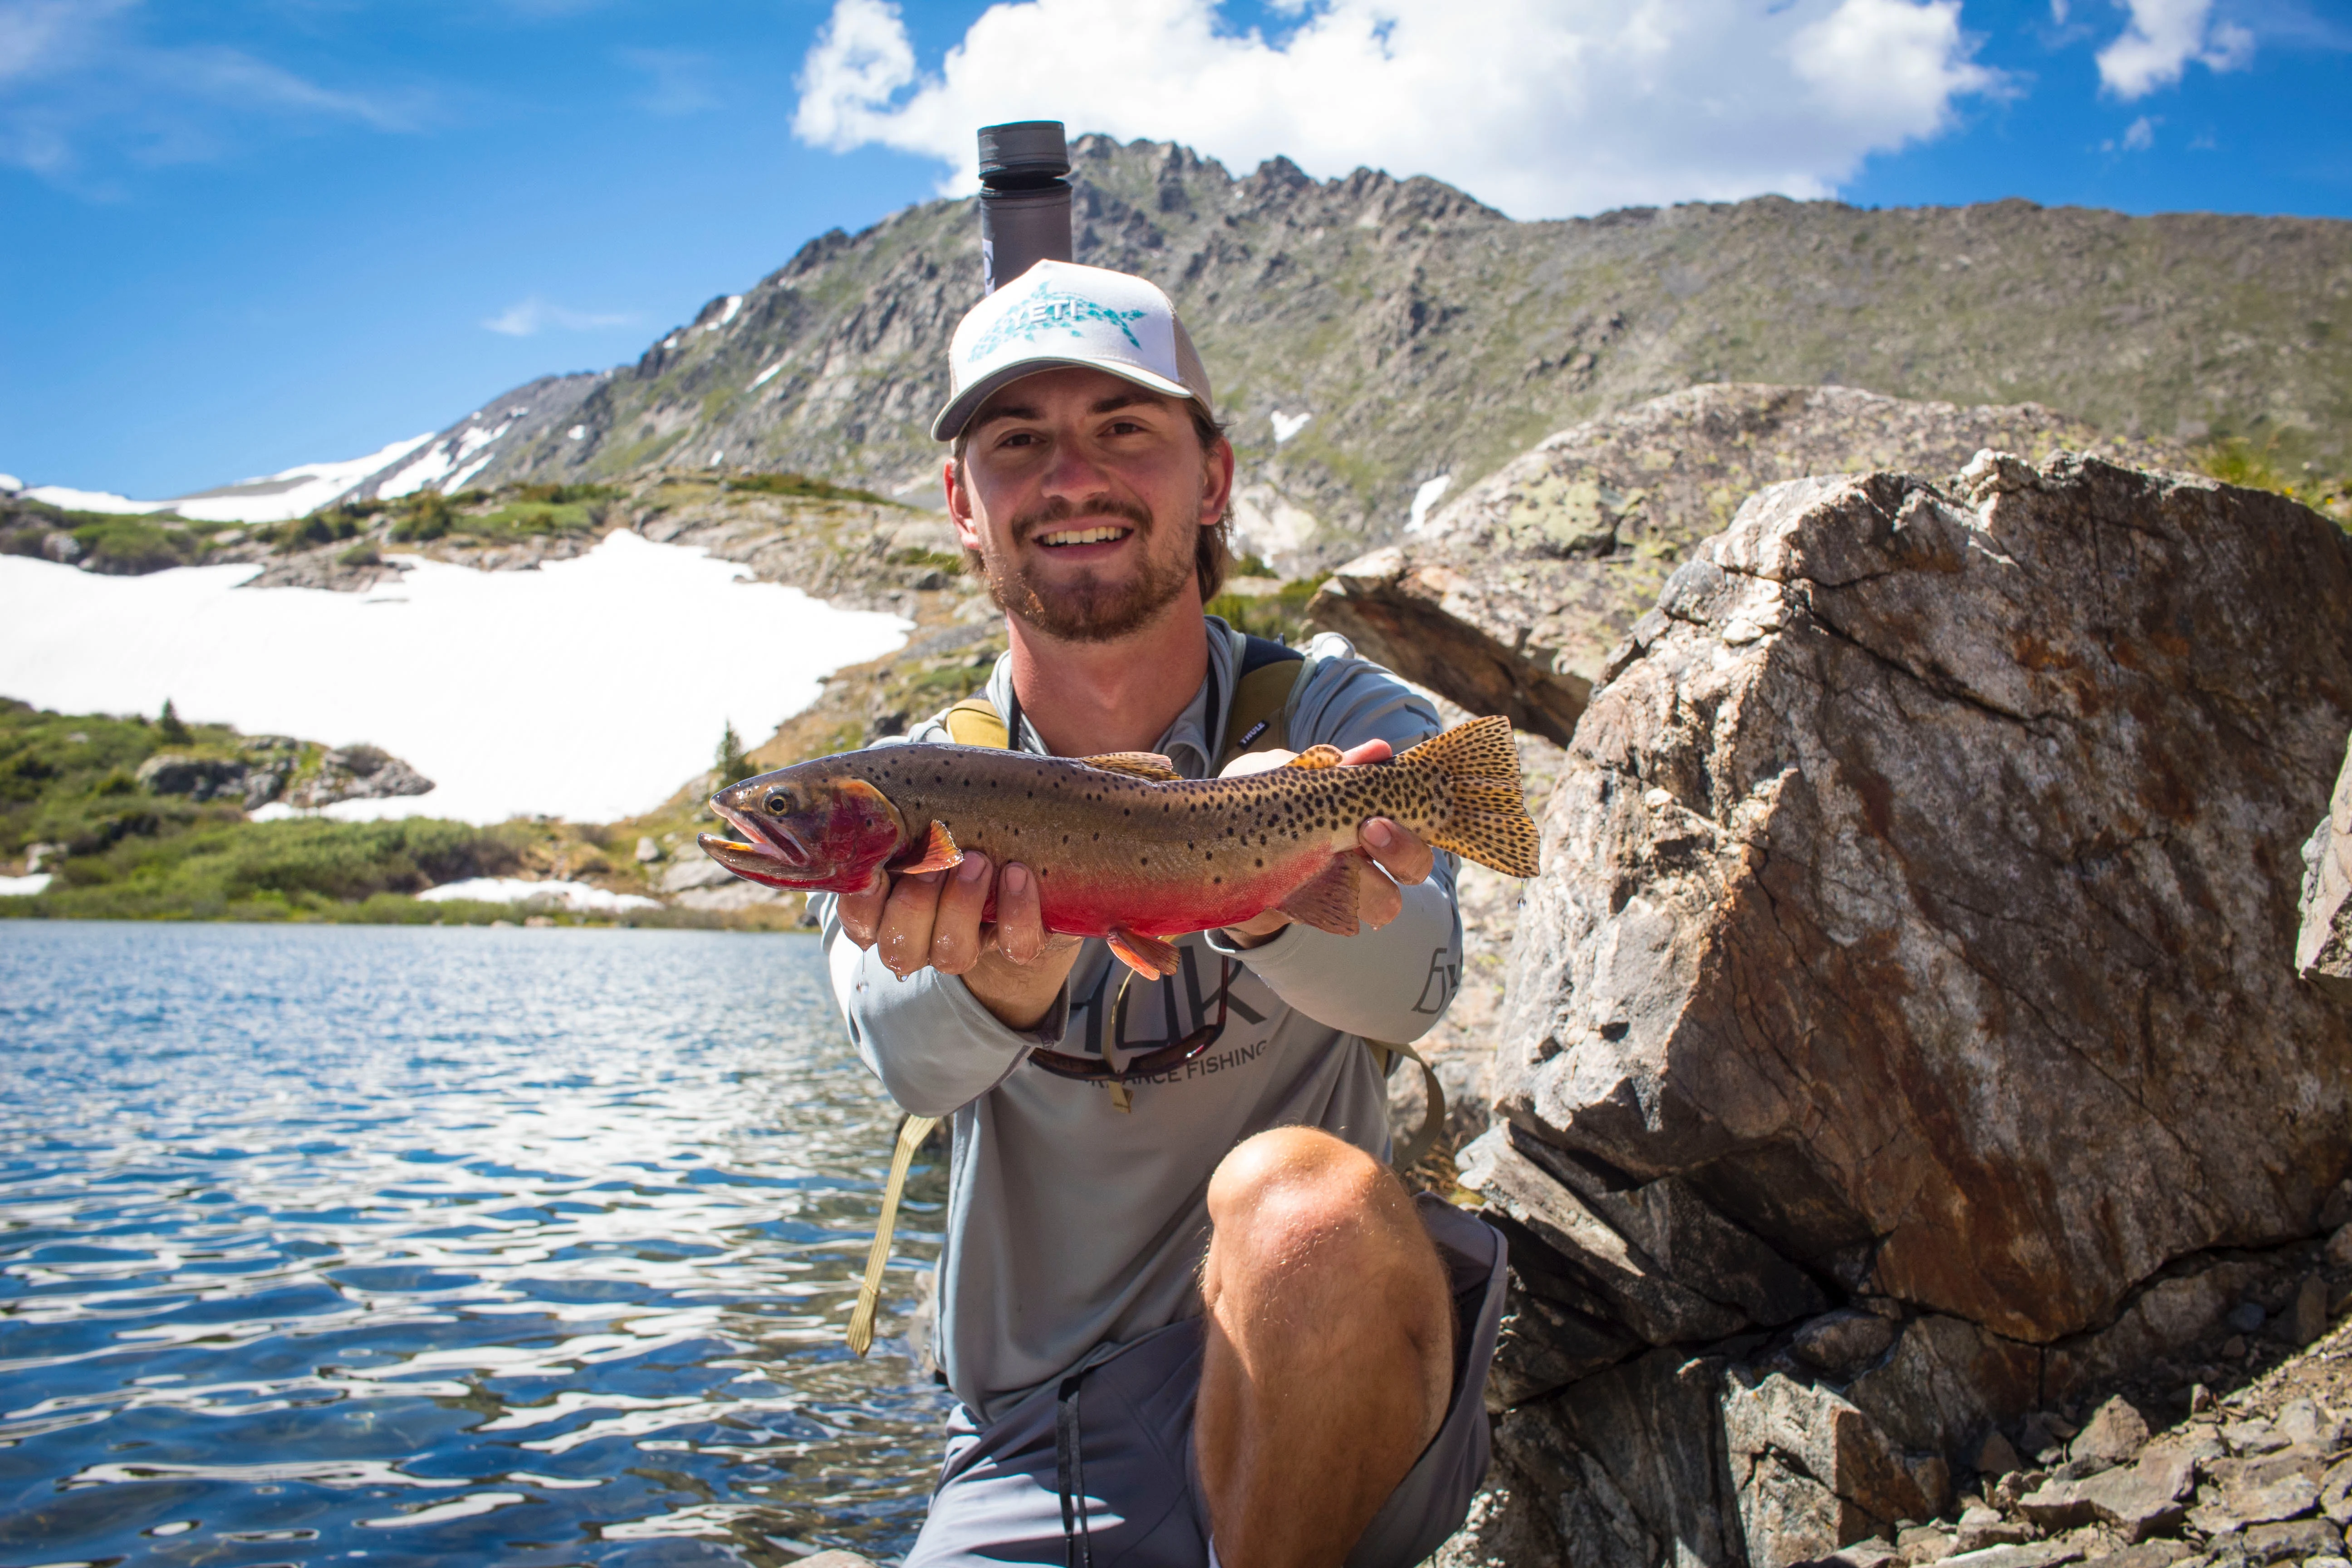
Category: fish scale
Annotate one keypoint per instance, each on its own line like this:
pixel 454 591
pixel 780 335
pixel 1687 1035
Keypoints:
pixel 1123 848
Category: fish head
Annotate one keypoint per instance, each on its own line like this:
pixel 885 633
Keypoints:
pixel 808 827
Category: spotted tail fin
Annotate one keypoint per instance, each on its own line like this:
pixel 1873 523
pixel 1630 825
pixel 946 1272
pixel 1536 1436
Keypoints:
pixel 1489 822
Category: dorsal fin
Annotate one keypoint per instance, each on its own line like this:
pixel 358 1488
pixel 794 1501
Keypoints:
pixel 936 851
pixel 1315 757
pixel 1140 764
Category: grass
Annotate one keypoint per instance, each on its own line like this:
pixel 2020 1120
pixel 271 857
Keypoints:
pixel 1281 615
pixel 2237 460
pixel 131 546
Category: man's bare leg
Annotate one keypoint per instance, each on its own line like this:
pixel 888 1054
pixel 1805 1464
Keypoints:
pixel 1329 1352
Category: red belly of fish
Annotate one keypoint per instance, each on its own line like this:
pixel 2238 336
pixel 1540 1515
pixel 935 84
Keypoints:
pixel 1080 905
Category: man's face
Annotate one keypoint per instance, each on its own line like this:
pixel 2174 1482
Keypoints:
pixel 1085 495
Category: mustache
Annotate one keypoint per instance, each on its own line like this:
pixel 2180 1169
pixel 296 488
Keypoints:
pixel 1062 509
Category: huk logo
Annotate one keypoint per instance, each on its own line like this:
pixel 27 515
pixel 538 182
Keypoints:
pixel 1046 310
pixel 1438 988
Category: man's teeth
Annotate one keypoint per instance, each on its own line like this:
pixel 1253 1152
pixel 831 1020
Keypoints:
pixel 1083 536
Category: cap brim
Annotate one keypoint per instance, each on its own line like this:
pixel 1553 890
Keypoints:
pixel 960 410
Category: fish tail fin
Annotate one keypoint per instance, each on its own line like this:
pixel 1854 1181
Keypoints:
pixel 1489 822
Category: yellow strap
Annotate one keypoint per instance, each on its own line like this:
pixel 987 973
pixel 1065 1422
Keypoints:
pixel 1433 1116
pixel 911 1133
pixel 975 721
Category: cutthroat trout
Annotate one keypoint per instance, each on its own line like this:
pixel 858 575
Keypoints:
pixel 1122 848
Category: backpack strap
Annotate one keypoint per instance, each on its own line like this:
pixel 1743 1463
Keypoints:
pixel 911 1133
pixel 975 721
pixel 1406 1155
pixel 1258 719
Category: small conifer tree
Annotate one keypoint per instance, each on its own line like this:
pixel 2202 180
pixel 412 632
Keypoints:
pixel 733 765
pixel 168 722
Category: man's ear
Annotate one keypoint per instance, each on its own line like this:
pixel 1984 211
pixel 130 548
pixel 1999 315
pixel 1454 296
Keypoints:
pixel 960 505
pixel 1217 485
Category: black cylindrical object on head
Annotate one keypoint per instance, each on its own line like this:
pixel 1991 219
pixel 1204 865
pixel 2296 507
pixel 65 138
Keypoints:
pixel 1024 198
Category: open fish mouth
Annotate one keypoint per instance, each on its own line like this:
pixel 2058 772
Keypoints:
pixel 774 844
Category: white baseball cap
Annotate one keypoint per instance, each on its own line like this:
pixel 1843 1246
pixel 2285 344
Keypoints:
pixel 1060 313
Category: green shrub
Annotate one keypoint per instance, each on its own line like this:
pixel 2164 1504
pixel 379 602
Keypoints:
pixel 424 516
pixel 801 485
pixel 1280 616
pixel 132 546
pixel 359 554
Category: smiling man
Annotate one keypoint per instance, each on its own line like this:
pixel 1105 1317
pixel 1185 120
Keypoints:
pixel 1188 1314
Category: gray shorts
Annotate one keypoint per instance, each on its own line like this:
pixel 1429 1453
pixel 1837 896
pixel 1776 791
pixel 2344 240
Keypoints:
pixel 1117 1441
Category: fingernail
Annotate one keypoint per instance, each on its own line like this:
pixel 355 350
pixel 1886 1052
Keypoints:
pixel 1378 834
pixel 1016 879
pixel 927 879
pixel 973 869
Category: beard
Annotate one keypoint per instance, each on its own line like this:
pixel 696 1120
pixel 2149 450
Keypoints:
pixel 1087 608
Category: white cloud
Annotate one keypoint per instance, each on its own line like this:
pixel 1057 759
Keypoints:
pixel 2163 39
pixel 529 317
pixel 2140 135
pixel 79 82
pixel 1541 107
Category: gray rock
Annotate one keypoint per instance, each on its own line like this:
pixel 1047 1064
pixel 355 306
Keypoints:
pixel 1981 1527
pixel 1811 1471
pixel 1655 1307
pixel 2147 1554
pixel 2253 1435
pixel 648 851
pixel 2336 1492
pixel 692 869
pixel 2115 1432
pixel 2256 1491
pixel 1798 889
pixel 357 773
pixel 2248 1316
pixel 2139 1500
pixel 198 778
pixel 2034 1554
pixel 2307 1315
pixel 1995 1455
pixel 1843 1342
pixel 2302 1538
pixel 2323 947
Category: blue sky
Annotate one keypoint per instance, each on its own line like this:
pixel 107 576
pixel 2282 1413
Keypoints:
pixel 242 236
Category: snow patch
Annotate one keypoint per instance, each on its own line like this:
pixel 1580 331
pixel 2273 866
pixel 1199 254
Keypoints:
pixel 765 376
pixel 1285 425
pixel 734 304
pixel 1424 497
pixel 415 477
pixel 25 887
pixel 576 896
pixel 90 500
pixel 10 484
pixel 582 690
pixel 291 492
pixel 463 476
pixel 577 433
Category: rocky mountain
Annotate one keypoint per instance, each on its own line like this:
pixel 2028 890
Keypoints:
pixel 1377 342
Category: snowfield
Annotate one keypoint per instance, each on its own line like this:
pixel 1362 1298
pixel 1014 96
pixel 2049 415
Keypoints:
pixel 272 498
pixel 588 688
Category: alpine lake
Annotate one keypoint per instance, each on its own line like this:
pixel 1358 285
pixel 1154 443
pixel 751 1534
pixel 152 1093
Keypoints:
pixel 385 1245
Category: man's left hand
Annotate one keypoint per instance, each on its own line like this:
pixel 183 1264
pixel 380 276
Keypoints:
pixel 1391 855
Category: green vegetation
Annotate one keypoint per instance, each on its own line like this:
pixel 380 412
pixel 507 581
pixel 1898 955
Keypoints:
pixel 2236 461
pixel 1281 615
pixel 947 561
pixel 731 764
pixel 801 485
pixel 129 546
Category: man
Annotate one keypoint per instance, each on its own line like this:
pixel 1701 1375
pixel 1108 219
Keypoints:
pixel 1189 1316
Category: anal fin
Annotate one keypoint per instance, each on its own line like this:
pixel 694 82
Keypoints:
pixel 1147 955
pixel 1329 901
pixel 936 851
pixel 1138 764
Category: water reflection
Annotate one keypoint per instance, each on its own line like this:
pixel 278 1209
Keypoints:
pixel 531 1247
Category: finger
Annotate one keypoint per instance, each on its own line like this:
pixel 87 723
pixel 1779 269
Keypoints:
pixel 1401 854
pixel 1372 751
pixel 1020 919
pixel 955 931
pixel 861 913
pixel 904 939
pixel 1377 901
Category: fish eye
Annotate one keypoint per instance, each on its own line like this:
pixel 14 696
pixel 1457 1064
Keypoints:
pixel 779 802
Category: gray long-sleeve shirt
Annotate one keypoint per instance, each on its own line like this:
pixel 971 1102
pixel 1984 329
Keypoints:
pixel 1072 1226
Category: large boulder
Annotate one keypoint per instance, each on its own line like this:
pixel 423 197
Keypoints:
pixel 2323 951
pixel 1508 599
pixel 1898 1037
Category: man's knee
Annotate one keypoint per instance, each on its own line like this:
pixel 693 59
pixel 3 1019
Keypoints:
pixel 1292 1198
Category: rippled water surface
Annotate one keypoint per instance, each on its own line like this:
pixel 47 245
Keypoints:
pixel 525 1246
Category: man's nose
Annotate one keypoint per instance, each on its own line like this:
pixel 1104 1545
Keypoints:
pixel 1072 473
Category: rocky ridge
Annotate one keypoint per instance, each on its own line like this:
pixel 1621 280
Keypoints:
pixel 1408 334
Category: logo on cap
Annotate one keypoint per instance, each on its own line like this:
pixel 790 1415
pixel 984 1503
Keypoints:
pixel 1046 309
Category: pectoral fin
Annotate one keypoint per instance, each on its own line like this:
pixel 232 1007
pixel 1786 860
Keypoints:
pixel 1142 764
pixel 1329 901
pixel 1315 757
pixel 935 852
pixel 1147 955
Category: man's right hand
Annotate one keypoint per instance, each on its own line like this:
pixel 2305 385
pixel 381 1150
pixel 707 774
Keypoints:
pixel 1013 964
